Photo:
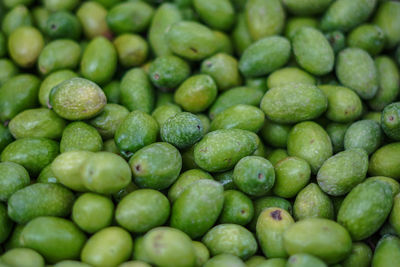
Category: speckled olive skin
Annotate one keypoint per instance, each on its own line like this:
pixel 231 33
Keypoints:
pixel 337 181
pixel 77 99
pixel 390 121
pixel 271 225
pixel 313 51
pixel 322 238
pixel 156 166
pixel 341 16
pixel 293 103
pixel 364 134
pixel 182 130
pixel 197 209
pixel 365 208
pixel 312 202
pixel 222 149
pixel 265 56
pixel 40 200
pixel 356 69
pixel 309 141
pixel 230 239
pixel 385 161
pixel 387 251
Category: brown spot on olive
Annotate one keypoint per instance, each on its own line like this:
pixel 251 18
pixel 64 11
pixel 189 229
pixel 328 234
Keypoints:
pixel 138 168
pixel 198 127
pixel 391 118
pixel 53 26
pixel 276 215
pixel 242 211
pixel 208 64
pixel 260 176
pixel 6 123
pixel 156 76
pixel 312 141
pixel 194 49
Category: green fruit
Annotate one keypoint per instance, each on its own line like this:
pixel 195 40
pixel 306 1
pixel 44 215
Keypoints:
pixel 112 92
pixel 63 24
pixel 341 14
pixel 67 169
pixel 337 40
pixel 225 260
pixel 387 252
pixel 202 253
pixel 197 209
pixel 8 69
pixel 312 202
pixel 40 16
pixel 271 225
pixel 305 260
pixel 293 103
pixel 395 214
pixel 307 7
pixel 17 94
pixel 309 141
pixel 52 80
pixel 230 239
pixel 322 238
pixel 105 173
pixel 13 177
pixel 108 121
pixel 356 69
pixel 92 212
pixel 110 246
pixel 196 93
pixel 182 130
pixel 389 80
pixel 390 121
pixel 168 72
pixel 136 131
pixel 293 24
pixel 291 175
pixel 226 179
pixel 39 122
pixel 130 17
pixel 191 40
pixel 342 172
pixel 265 56
pixel 220 150
pixel 136 91
pixel 365 208
pixel 385 161
pixel 275 134
pixel 5 137
pixel 25 45
pixel 361 255
pixel 241 38
pixel 235 96
pixel 277 155
pixel 184 181
pixel 336 132
pixel 223 68
pixel 312 51
pixel 238 208
pixel 344 105
pixel 218 15
pixel 156 166
pixel 164 112
pixel 80 136
pixel 142 210
pixel 178 250
pixel 254 175
pixel 23 257
pixel 288 75
pixel 364 134
pixel 164 17
pixel 245 117
pixel 59 54
pixel 39 200
pixel 387 18
pixel 32 153
pixel 132 50
pixel 54 238
pixel 263 203
pixel 92 16
pixel 369 37
pixel 77 99
pixel 56 5
pixel 99 61
pixel 18 16
pixel 264 18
